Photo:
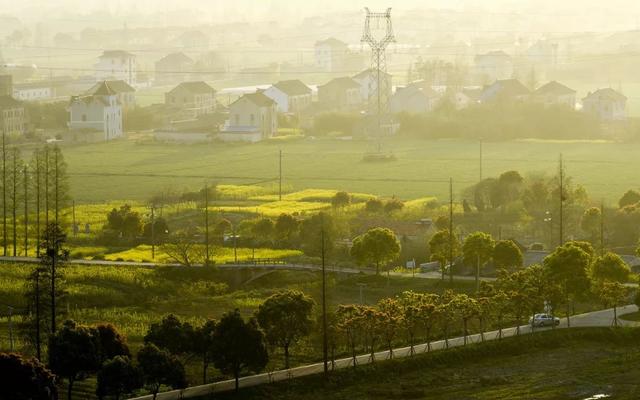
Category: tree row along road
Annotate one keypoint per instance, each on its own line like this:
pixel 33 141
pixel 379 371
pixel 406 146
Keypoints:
pixel 592 319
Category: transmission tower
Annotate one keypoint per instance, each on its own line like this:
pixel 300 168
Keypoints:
pixel 379 86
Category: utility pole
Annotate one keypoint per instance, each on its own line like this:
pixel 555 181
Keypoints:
pixel 280 177
pixel 4 193
pixel 561 175
pixel 378 63
pixel 38 203
pixel 38 344
pixel 235 244
pixel 57 150
pixel 73 216
pixel 26 211
pixel 451 230
pixel 153 232
pixel 46 187
pixel 480 166
pixel 206 223
pixel 602 250
pixel 14 200
pixel 325 346
pixel 10 328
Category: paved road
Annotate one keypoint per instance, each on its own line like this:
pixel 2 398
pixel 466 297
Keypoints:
pixel 592 319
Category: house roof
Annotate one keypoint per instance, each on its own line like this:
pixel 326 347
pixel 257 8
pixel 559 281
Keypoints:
pixel 178 57
pixel 116 54
pixel 8 101
pixel 417 88
pixel 293 87
pixel 506 88
pixel 259 99
pixel 366 72
pixel 344 83
pixel 606 94
pixel 107 88
pixel 554 88
pixel 333 42
pixel 102 89
pixel 494 53
pixel 197 87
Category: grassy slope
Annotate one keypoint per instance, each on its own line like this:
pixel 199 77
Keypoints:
pixel 606 169
pixel 563 364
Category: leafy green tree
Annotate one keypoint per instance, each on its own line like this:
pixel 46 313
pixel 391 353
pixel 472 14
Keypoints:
pixel 590 223
pixel 171 334
pixel 26 379
pixel 348 324
pixel 340 200
pixel 585 246
pixel 263 229
pixel 466 308
pixel 159 367
pixel 123 223
pixel 389 321
pixel 610 267
pixel 568 266
pixel 204 346
pixel 506 254
pixel 393 205
pixel 441 247
pixel 477 250
pixel 377 246
pixel 73 353
pixel 409 303
pixel 110 342
pixel 374 206
pixel 311 233
pixel 285 317
pixel 612 294
pixel 239 346
pixel 630 198
pixel 118 377
pixel 54 255
pixel 286 228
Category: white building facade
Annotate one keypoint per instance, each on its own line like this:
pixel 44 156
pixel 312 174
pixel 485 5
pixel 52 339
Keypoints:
pixel 98 112
pixel 116 65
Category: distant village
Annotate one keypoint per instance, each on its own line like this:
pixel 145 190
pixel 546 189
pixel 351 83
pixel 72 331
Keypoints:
pixel 194 111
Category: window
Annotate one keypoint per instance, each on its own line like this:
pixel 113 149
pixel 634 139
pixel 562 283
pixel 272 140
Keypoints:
pixel 84 117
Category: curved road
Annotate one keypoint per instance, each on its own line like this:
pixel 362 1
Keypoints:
pixel 592 319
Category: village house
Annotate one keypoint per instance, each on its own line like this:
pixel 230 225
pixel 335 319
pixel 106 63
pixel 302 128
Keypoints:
pixel 116 65
pixel 12 116
pixel 126 94
pixel 34 91
pixel 340 94
pixel 368 81
pixel 99 113
pixel 191 99
pixel 555 94
pixel 492 66
pixel 506 90
pixel 606 104
pixel 291 96
pixel 172 68
pixel 331 54
pixel 417 97
pixel 252 118
pixel 466 97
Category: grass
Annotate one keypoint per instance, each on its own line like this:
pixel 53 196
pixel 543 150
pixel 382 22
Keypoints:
pixel 631 317
pixel 138 170
pixel 561 364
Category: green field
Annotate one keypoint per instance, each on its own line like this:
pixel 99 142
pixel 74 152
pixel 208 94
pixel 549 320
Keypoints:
pixel 562 364
pixel 136 169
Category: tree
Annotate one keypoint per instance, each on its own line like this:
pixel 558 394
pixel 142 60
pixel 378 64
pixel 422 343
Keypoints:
pixel 610 267
pixel 467 308
pixel 36 321
pixel 203 345
pixel 171 334
pixel 506 254
pixel 285 317
pixel 312 230
pixel 340 200
pixel 73 353
pixel 348 324
pixel 263 229
pixel 393 205
pixel 110 342
pixel 124 223
pixel 184 250
pixel 568 266
pixel 117 377
pixel 590 223
pixel 612 294
pixel 377 246
pixel 630 198
pixel 389 321
pixel 26 379
pixel 409 303
pixel 160 229
pixel 477 250
pixel 374 206
pixel 239 346
pixel 441 248
pixel 53 240
pixel 286 228
pixel 159 367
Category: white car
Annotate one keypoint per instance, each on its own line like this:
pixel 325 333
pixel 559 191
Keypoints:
pixel 544 320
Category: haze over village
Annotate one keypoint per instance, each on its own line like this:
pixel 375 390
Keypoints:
pixel 319 199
